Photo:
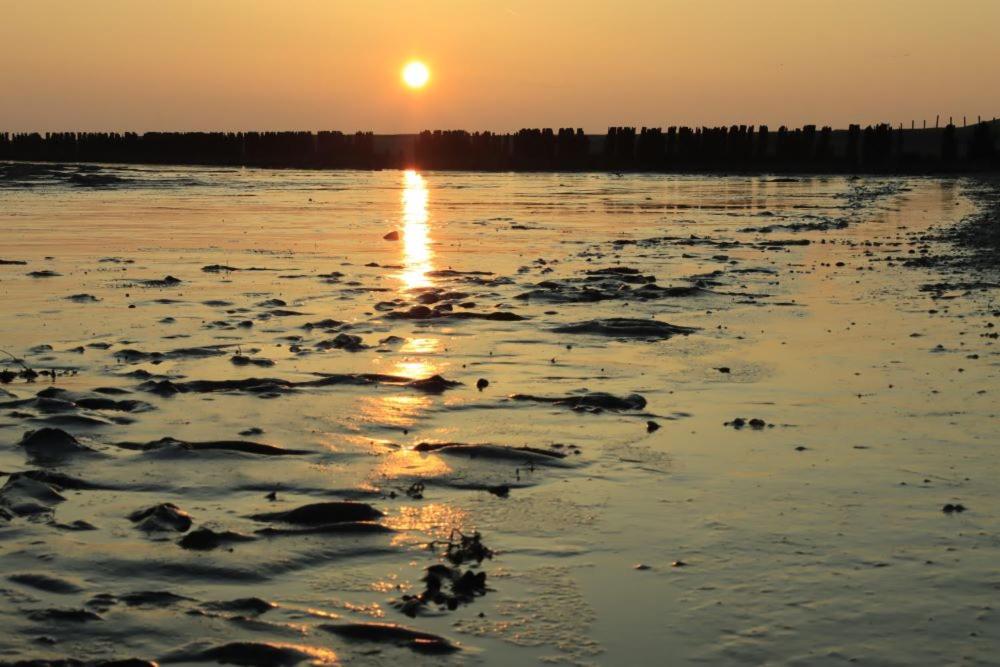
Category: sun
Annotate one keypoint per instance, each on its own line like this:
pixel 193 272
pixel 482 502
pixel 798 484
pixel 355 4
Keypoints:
pixel 415 74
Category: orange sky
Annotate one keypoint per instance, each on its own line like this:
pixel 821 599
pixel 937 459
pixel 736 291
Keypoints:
pixel 500 65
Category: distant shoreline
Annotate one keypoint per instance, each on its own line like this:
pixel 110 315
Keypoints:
pixel 740 149
pixel 720 172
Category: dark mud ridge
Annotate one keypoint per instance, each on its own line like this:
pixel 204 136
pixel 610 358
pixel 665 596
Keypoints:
pixel 268 387
pixel 624 327
pixel 390 633
pixel 172 444
pixel 611 287
pixel 494 452
pixel 591 402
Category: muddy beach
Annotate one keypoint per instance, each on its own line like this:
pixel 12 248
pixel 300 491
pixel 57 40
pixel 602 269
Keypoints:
pixel 289 417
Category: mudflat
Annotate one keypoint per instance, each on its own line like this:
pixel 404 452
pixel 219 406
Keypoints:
pixel 284 417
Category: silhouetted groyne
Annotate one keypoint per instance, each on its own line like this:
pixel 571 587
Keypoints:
pixel 739 148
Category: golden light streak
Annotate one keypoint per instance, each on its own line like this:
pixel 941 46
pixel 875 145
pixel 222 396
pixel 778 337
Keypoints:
pixel 417 253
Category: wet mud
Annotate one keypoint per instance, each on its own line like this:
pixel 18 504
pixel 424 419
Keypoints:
pixel 253 417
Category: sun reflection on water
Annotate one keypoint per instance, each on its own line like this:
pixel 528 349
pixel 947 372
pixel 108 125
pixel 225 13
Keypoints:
pixel 436 520
pixel 403 410
pixel 397 410
pixel 409 464
pixel 415 368
pixel 421 346
pixel 417 363
pixel 417 253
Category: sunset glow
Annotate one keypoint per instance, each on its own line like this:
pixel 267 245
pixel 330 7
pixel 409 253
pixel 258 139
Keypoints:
pixel 506 333
pixel 416 74
pixel 539 64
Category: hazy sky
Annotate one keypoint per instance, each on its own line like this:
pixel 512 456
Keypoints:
pixel 496 64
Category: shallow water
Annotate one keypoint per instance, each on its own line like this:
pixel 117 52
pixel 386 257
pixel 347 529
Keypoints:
pixel 816 539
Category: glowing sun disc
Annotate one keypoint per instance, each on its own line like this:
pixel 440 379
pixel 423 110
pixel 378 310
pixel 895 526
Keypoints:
pixel 415 74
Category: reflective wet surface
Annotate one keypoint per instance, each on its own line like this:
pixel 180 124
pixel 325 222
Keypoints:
pixel 716 419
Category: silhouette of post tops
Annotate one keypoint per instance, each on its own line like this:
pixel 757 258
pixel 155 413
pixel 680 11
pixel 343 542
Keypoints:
pixel 737 148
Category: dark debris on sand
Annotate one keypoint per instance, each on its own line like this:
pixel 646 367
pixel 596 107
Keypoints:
pixel 974 243
pixel 447 587
pixel 754 423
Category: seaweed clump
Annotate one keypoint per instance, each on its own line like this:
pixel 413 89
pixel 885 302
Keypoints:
pixel 447 587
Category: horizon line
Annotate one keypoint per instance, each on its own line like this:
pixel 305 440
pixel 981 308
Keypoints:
pixel 939 124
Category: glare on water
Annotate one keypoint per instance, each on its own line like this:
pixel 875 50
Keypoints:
pixel 867 414
pixel 417 254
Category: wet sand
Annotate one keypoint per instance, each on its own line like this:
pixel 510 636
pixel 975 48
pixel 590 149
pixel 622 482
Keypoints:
pixel 692 420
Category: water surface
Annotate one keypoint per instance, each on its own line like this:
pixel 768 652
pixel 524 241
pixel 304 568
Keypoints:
pixel 818 538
